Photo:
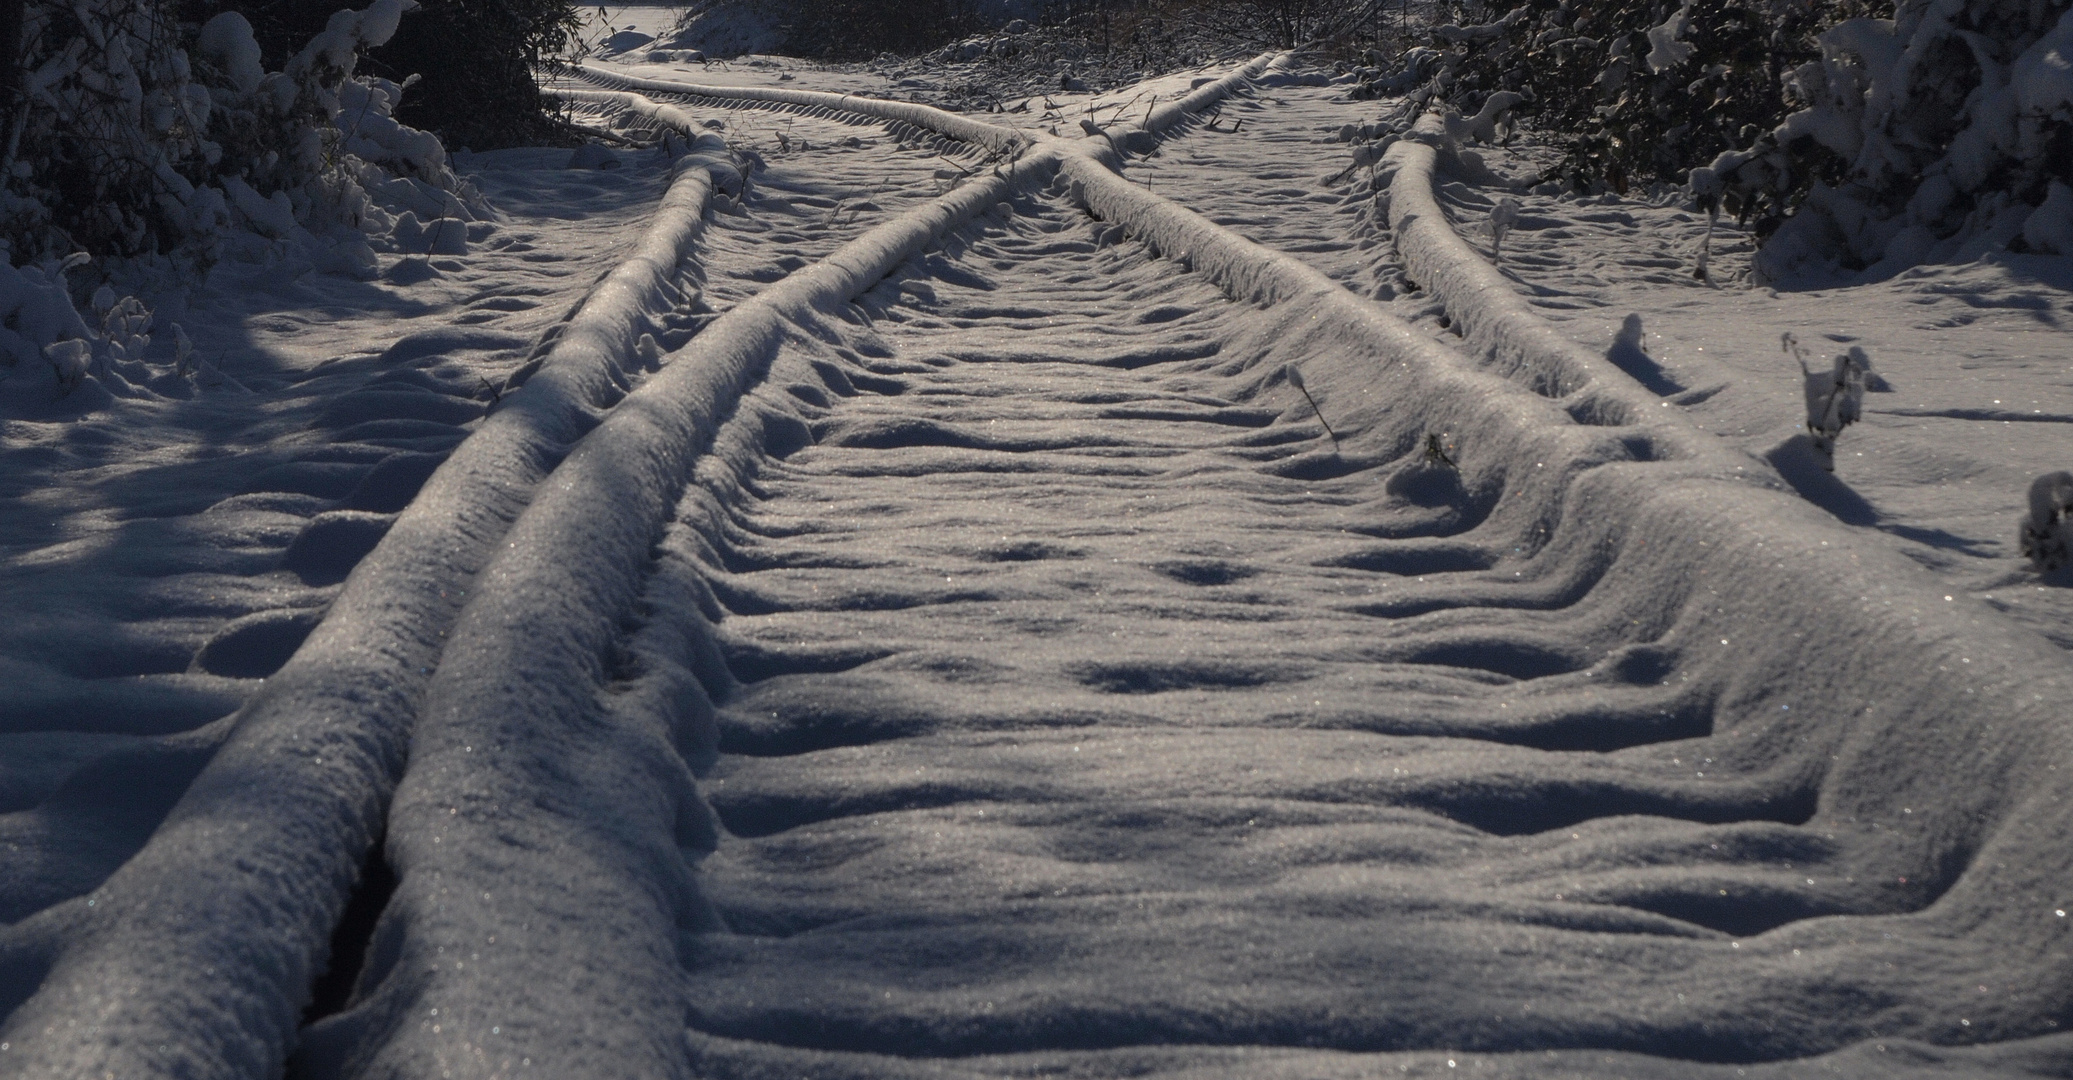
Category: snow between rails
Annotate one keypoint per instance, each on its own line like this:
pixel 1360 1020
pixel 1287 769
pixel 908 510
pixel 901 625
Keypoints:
pixel 195 958
pixel 1863 692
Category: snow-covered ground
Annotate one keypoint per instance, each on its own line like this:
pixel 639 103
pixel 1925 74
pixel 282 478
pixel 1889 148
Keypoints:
pixel 1016 675
pixel 638 22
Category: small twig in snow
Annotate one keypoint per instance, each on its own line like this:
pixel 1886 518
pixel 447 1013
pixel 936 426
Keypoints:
pixel 1295 379
pixel 1835 399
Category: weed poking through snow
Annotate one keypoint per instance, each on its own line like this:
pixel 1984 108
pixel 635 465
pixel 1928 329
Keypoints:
pixel 1835 399
pixel 1295 379
pixel 1366 155
pixel 2047 534
pixel 1709 200
pixel 183 352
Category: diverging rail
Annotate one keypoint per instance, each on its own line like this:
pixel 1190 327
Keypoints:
pixel 1496 322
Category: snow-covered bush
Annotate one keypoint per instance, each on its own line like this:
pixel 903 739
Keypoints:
pixel 479 59
pixel 1947 127
pixel 2047 534
pixel 127 143
pixel 54 358
pixel 37 319
pixel 1642 88
pixel 1835 398
pixel 1645 88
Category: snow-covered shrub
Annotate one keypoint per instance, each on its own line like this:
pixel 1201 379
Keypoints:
pixel 1835 398
pixel 1946 127
pixel 54 356
pixel 479 59
pixel 36 313
pixel 2047 534
pixel 128 144
pixel 107 110
pixel 1416 67
pixel 1646 88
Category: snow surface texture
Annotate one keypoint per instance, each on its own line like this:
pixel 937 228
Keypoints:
pixel 1073 703
pixel 892 831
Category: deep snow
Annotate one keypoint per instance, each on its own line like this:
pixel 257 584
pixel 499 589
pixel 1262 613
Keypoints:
pixel 1081 707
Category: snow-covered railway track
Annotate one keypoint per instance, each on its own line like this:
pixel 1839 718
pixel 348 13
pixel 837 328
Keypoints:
pixel 1069 699
pixel 1620 716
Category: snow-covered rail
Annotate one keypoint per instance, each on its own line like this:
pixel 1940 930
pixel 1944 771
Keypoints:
pixel 971 655
pixel 1498 325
